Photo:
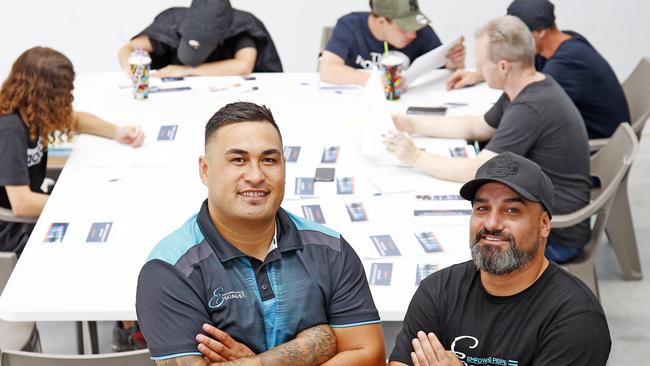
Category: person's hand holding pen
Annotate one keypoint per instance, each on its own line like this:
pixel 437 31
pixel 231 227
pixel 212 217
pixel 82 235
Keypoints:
pixel 401 145
pixel 129 135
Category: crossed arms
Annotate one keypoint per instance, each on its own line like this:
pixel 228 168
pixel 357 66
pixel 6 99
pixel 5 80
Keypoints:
pixel 359 345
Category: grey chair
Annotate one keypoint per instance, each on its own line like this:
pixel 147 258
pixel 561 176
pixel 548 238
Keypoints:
pixel 8 216
pixel 620 228
pixel 131 358
pixel 610 165
pixel 637 92
pixel 325 36
pixel 15 335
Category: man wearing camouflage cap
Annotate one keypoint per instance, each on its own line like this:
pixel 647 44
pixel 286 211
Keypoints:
pixel 358 41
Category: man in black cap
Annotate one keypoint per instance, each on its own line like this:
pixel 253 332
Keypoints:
pixel 208 38
pixel 509 305
pixel 358 41
pixel 574 63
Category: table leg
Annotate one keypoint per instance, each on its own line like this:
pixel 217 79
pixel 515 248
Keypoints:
pixel 94 342
pixel 80 337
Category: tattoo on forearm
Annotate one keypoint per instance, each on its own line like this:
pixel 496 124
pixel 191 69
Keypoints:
pixel 313 346
pixel 182 361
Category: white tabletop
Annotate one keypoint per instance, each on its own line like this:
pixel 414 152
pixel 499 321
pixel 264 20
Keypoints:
pixel 147 193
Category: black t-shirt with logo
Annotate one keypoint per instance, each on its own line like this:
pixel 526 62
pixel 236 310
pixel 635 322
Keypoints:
pixel 556 321
pixel 23 162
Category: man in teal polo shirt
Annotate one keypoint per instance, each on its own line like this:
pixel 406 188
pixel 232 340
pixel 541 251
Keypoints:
pixel 277 287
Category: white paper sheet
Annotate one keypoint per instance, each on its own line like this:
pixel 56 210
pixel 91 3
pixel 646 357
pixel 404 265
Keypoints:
pixel 431 60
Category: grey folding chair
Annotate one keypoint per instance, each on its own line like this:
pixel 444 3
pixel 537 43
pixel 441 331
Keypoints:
pixel 620 228
pixel 610 165
pixel 637 92
pixel 8 216
pixel 325 36
pixel 131 358
pixel 15 335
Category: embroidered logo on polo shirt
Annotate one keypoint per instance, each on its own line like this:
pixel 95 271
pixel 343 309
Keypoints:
pixel 219 297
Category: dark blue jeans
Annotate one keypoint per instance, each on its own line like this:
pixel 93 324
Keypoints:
pixel 560 253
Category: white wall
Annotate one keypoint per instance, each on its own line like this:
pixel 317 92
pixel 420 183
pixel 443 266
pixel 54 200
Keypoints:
pixel 90 32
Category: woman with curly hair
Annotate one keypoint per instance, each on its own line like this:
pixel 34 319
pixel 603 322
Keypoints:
pixel 35 101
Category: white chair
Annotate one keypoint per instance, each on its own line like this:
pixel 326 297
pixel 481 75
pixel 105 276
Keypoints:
pixel 610 165
pixel 15 335
pixel 131 358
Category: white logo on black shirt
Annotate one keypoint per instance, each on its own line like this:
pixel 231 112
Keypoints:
pixel 375 59
pixel 35 154
pixel 468 360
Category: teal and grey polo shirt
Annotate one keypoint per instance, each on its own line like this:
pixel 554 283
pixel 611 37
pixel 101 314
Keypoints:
pixel 194 276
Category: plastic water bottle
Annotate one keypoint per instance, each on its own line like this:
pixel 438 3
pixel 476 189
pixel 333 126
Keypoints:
pixel 140 64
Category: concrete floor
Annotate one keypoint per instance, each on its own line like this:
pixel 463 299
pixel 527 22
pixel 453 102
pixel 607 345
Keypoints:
pixel 626 303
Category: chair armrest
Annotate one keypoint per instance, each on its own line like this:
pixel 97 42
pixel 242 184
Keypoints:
pixel 597 144
pixel 8 216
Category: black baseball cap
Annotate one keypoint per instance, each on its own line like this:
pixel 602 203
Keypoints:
pixel 205 25
pixel 520 174
pixel 536 14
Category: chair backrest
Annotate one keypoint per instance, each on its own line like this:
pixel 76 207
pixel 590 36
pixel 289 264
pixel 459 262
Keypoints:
pixel 637 92
pixel 609 165
pixel 325 37
pixel 131 358
pixel 8 216
pixel 7 264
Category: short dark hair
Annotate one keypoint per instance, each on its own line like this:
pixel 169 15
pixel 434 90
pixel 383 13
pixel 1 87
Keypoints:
pixel 239 112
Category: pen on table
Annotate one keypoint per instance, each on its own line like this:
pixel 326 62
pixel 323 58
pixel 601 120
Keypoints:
pixel 456 104
pixel 155 89
pixel 242 90
pixel 224 87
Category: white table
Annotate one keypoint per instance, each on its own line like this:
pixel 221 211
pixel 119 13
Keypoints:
pixel 149 192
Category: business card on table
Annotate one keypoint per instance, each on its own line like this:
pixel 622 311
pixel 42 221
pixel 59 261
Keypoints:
pixel 313 213
pixel 304 186
pixel 167 133
pixel 428 241
pixel 385 245
pixel 380 274
pixel 423 271
pixel 56 232
pixel 99 232
pixel 291 153
pixel 345 185
pixel 356 211
pixel 330 154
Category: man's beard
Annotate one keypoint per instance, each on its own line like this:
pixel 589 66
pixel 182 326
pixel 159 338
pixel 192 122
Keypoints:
pixel 490 259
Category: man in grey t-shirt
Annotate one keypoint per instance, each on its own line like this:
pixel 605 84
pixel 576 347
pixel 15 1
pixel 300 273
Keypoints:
pixel 534 118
